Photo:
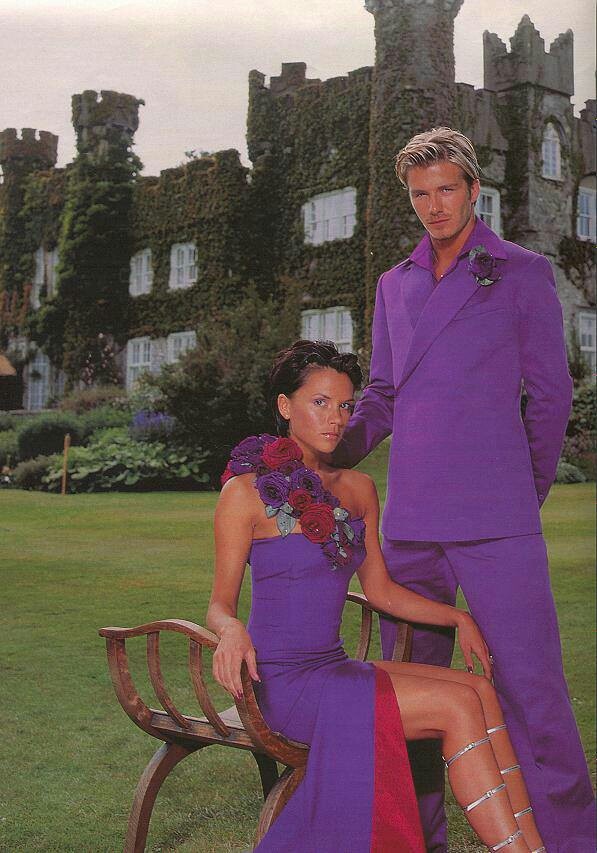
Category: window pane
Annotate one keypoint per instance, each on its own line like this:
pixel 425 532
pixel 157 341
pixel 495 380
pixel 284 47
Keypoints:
pixel 310 327
pixel 330 216
pixel 330 327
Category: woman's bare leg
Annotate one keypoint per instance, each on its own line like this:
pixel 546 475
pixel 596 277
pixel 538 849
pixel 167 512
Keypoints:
pixel 440 708
pixel 498 734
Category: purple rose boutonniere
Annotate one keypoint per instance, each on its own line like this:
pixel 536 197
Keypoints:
pixel 482 265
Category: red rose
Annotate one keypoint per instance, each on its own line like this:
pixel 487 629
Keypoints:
pixel 318 523
pixel 300 499
pixel 227 475
pixel 280 451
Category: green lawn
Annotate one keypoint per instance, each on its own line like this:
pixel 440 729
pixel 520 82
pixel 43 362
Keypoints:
pixel 70 757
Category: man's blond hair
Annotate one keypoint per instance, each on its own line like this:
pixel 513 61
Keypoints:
pixel 440 143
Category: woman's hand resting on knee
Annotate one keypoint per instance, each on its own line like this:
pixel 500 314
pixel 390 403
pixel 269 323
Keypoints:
pixel 471 643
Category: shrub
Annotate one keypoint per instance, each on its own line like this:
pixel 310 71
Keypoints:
pixel 101 418
pixel 9 450
pixel 218 391
pixel 582 418
pixel 118 463
pixel 30 474
pixel 108 434
pixel 91 398
pixel 152 426
pixel 568 473
pixel 44 434
pixel 579 444
pixel 7 422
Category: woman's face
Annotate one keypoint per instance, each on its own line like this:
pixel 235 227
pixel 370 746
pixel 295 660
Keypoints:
pixel 319 410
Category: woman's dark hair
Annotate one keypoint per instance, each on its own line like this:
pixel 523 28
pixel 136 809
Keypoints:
pixel 293 364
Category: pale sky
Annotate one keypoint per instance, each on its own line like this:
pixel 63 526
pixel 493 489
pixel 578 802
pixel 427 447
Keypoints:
pixel 189 59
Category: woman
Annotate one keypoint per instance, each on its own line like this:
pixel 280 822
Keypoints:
pixel 318 527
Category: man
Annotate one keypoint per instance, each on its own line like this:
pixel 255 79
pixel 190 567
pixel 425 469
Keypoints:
pixel 459 327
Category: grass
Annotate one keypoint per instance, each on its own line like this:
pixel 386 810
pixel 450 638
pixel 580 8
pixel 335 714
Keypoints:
pixel 71 759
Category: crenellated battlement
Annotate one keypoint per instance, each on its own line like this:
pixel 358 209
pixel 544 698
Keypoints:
pixel 292 77
pixel 293 80
pixel 95 117
pixel 528 61
pixel 376 6
pixel 40 148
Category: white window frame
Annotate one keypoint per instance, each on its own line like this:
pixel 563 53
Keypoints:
pixel 38 278
pixel 138 359
pixel 329 324
pixel 330 216
pixel 178 343
pixel 141 273
pixel 38 390
pixel 585 219
pixel 183 265
pixel 51 263
pixel 587 337
pixel 489 208
pixel 45 274
pixel 551 153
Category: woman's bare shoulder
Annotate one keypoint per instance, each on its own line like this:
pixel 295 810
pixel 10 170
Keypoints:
pixel 360 491
pixel 357 479
pixel 238 494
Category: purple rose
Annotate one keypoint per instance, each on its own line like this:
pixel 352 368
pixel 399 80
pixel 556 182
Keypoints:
pixel 266 438
pixel 273 488
pixel 341 557
pixel 482 265
pixel 240 466
pixel 304 478
pixel 287 468
pixel 330 499
pixel 249 450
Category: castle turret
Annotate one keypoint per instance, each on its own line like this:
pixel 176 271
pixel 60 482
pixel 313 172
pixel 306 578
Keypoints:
pixel 413 90
pixel 104 120
pixel 20 156
pixel 528 61
pixel 27 153
pixel 533 89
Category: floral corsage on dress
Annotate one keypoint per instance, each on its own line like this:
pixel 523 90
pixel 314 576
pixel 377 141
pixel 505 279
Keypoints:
pixel 292 492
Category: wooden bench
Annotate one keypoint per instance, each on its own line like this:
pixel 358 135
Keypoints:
pixel 241 726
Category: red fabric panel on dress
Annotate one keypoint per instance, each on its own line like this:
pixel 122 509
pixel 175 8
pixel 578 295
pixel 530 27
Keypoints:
pixel 396 822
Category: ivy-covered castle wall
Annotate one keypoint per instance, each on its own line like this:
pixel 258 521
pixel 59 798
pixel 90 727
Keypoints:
pixel 306 137
pixel 204 201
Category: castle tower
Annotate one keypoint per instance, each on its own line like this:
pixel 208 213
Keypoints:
pixel 533 89
pixel 19 157
pixel 100 122
pixel 27 153
pixel 413 90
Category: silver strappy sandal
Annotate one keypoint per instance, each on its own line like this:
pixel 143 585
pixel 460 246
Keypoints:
pixel 506 770
pixel 487 795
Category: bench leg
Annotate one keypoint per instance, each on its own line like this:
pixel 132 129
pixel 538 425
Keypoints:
pixel 279 795
pixel 268 771
pixel 164 760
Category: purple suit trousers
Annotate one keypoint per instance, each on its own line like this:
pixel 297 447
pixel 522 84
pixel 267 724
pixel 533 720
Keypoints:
pixel 466 478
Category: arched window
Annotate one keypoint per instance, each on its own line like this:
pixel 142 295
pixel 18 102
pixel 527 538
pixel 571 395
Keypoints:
pixel 551 153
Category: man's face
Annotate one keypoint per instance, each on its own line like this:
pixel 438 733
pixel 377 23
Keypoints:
pixel 442 198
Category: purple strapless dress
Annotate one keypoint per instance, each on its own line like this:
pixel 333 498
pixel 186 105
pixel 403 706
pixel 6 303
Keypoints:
pixel 357 795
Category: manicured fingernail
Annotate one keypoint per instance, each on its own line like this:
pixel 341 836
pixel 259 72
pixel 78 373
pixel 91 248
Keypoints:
pixel 469 668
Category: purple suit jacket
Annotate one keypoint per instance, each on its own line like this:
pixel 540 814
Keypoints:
pixel 463 463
